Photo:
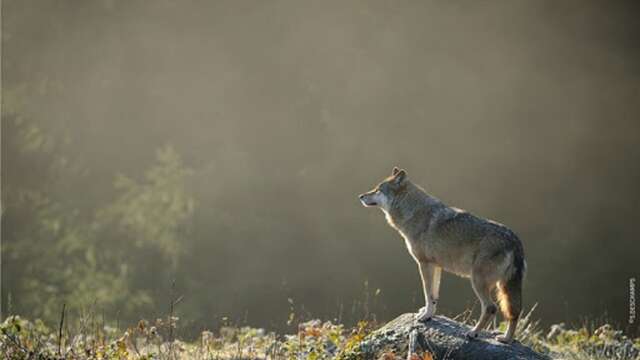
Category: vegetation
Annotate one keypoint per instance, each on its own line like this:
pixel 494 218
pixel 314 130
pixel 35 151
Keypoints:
pixel 93 249
pixel 212 163
pixel 279 123
pixel 92 338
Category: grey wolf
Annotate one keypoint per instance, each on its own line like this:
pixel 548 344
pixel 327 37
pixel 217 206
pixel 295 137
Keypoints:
pixel 440 237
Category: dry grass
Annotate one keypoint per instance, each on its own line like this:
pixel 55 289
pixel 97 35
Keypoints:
pixel 91 339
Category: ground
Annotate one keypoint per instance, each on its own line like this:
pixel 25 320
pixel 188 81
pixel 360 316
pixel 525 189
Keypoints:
pixel 23 339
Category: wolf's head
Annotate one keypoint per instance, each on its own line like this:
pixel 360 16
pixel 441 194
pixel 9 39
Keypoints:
pixel 383 194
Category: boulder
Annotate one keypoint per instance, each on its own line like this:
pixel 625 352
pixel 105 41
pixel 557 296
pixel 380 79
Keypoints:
pixel 442 337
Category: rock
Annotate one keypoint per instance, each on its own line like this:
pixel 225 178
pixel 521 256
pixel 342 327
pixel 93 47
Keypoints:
pixel 442 337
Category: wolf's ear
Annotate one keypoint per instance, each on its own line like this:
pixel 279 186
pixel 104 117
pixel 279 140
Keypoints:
pixel 399 176
pixel 395 171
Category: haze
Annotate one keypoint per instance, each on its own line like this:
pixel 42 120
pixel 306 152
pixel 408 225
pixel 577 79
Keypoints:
pixel 523 112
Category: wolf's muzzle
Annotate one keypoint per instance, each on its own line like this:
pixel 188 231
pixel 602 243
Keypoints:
pixel 365 199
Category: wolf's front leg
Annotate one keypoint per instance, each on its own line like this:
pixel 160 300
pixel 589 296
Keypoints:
pixel 430 274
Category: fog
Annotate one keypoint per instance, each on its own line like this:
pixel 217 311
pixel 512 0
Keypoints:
pixel 525 112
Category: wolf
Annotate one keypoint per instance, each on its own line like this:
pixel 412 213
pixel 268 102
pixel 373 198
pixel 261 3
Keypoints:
pixel 440 237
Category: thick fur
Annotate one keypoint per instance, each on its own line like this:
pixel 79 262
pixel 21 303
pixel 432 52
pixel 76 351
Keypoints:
pixel 442 237
pixel 510 291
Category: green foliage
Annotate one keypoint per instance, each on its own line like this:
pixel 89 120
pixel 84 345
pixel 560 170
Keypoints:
pixel 91 257
pixel 70 238
pixel 22 338
pixel 603 342
pixel 351 348
pixel 314 340
pixel 155 210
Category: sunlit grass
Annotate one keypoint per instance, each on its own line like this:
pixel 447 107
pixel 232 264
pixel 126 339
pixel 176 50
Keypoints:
pixel 315 339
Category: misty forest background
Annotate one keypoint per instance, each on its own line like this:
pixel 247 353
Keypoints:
pixel 222 145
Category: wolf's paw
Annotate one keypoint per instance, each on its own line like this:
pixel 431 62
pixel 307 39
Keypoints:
pixel 424 315
pixel 503 339
pixel 472 335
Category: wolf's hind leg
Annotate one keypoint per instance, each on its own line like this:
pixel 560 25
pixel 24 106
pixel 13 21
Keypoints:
pixel 430 275
pixel 507 337
pixel 482 286
pixel 510 296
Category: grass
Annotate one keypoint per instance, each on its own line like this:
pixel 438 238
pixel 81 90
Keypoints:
pixel 92 339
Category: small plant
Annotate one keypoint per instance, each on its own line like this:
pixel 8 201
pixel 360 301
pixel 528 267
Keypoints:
pixel 21 339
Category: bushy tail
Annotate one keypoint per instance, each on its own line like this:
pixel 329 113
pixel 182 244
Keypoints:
pixel 510 290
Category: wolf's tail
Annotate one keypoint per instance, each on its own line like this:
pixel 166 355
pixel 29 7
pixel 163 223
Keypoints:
pixel 510 289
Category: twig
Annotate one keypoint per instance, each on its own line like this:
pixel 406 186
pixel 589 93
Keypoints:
pixel 172 305
pixel 16 342
pixel 64 305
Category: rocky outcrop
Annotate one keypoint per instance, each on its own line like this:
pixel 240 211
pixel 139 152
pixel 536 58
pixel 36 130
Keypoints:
pixel 443 338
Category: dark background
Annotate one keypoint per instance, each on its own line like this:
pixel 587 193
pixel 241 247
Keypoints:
pixel 269 117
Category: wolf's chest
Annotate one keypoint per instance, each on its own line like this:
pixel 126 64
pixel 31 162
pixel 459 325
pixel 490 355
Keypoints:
pixel 418 243
pixel 418 249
